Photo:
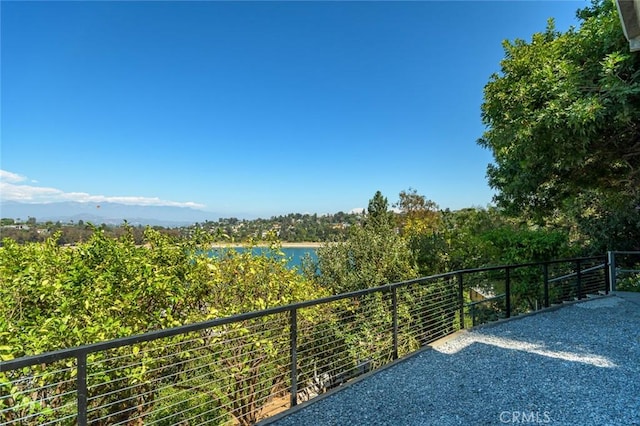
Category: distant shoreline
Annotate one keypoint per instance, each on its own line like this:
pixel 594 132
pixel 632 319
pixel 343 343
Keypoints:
pixel 309 244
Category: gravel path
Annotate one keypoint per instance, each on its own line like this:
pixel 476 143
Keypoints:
pixel 578 365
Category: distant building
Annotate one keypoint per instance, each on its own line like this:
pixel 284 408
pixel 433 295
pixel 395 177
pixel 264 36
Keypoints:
pixel 19 226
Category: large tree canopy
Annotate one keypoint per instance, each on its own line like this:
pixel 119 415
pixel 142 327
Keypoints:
pixel 563 116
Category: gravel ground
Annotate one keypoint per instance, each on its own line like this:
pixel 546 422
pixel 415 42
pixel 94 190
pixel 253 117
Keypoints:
pixel 578 365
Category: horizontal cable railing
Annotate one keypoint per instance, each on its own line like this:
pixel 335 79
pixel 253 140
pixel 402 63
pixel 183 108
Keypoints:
pixel 624 268
pixel 243 368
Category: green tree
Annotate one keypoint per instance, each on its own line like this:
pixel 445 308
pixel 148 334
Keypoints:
pixel 563 117
pixel 420 223
pixel 104 288
pixel 418 215
pixel 603 222
pixel 366 259
pixel 378 214
pixel 374 254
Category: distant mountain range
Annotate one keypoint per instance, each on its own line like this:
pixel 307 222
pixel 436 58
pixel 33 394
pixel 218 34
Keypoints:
pixel 108 213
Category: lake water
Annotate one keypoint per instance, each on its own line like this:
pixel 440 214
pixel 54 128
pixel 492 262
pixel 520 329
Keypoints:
pixel 294 254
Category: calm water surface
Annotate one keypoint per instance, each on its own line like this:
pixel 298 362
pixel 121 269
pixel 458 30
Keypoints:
pixel 294 254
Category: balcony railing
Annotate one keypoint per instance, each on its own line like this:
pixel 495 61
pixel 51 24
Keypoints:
pixel 243 368
pixel 624 269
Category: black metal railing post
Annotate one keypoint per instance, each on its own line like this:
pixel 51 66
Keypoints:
pixel 612 270
pixel 394 305
pixel 293 341
pixel 607 278
pixel 461 299
pixel 507 291
pixel 545 272
pixel 81 383
pixel 579 279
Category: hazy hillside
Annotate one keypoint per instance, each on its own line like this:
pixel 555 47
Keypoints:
pixel 109 213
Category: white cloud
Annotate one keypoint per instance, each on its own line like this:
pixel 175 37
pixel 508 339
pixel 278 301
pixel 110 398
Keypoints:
pixel 11 177
pixel 12 190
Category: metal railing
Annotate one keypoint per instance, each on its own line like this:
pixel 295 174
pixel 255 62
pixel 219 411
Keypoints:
pixel 243 368
pixel 624 270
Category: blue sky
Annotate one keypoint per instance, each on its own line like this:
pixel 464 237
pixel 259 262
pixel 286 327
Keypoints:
pixel 252 108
